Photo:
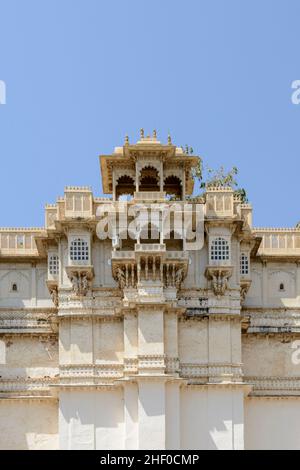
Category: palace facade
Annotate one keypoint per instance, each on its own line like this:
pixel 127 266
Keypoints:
pixel 149 341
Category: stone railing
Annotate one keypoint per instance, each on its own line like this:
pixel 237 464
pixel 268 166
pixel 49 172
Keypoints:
pixel 19 242
pixel 180 255
pixel 279 241
pixel 150 247
pixel 149 196
pixel 132 268
pixel 122 255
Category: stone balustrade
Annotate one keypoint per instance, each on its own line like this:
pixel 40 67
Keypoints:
pixel 150 247
pixel 279 241
pixel 132 268
pixel 150 196
pixel 19 242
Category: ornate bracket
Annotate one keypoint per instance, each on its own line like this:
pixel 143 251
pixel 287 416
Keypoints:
pixel 174 274
pixel 245 286
pixel 119 276
pixel 125 275
pixel 80 277
pixel 219 276
pixel 149 268
pixel 53 289
pixel 245 323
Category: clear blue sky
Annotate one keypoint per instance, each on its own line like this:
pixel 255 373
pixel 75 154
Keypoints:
pixel 80 74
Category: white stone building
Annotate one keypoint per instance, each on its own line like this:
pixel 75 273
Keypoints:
pixel 149 343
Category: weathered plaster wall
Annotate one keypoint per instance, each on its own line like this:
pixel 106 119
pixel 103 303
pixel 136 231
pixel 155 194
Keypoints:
pixel 268 356
pixel 28 356
pixel 91 420
pixel 102 264
pixel 31 286
pixel 211 418
pixel 266 280
pixel 211 340
pixel 28 424
pixel 193 341
pixel 108 338
pixel 272 423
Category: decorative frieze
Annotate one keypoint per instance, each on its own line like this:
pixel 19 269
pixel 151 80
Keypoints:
pixel 268 323
pixel 27 386
pixel 264 386
pixel 28 322
pixel 90 372
pixel 212 372
pixel 130 365
pixel 152 363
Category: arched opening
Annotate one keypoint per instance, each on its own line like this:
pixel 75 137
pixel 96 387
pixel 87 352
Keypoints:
pixel 125 187
pixel 173 187
pixel 173 241
pixel 149 179
pixel 150 233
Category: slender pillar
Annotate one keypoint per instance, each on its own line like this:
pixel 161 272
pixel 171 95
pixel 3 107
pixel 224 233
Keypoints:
pixel 114 184
pixel 298 279
pixel 33 285
pixel 161 180
pixel 183 183
pixel 264 284
pixel 136 178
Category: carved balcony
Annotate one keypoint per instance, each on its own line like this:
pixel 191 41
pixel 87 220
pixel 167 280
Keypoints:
pixel 149 272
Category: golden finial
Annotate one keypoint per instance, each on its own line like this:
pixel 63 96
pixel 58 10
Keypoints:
pixel 142 133
pixel 126 140
pixel 154 134
pixel 169 140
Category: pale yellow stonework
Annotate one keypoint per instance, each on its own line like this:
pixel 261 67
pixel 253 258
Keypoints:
pixel 145 344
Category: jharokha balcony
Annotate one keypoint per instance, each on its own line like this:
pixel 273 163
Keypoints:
pixel 149 269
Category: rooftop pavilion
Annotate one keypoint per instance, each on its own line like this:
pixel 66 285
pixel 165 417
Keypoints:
pixel 148 166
